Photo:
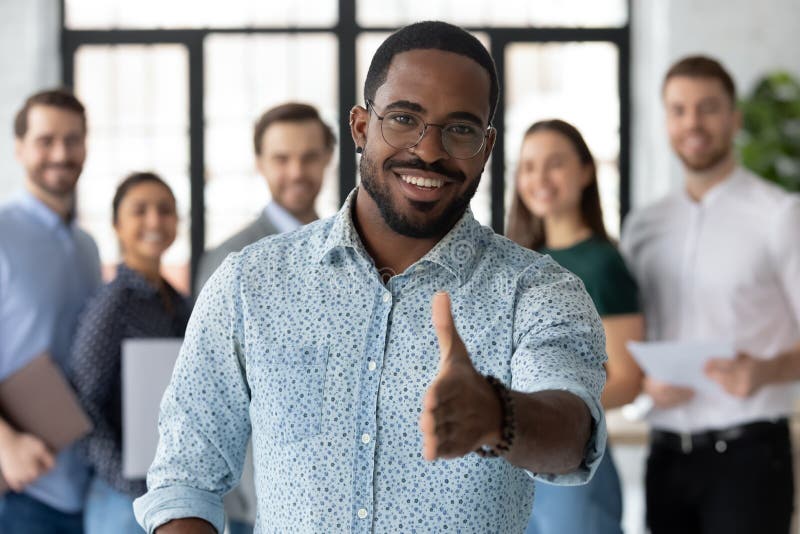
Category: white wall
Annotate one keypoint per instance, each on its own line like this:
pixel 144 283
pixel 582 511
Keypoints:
pixel 29 61
pixel 749 38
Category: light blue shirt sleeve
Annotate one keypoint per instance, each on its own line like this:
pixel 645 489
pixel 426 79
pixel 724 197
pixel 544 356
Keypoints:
pixel 560 345
pixel 204 424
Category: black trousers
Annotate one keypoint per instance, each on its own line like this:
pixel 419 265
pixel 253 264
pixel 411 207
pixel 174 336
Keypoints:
pixel 747 489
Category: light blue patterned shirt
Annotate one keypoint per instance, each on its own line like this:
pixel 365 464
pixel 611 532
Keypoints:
pixel 298 339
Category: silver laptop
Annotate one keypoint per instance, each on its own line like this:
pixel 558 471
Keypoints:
pixel 147 366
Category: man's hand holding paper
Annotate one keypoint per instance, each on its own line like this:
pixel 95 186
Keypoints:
pixel 740 376
pixel 678 371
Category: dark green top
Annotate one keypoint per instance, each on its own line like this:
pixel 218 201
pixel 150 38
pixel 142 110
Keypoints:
pixel 602 269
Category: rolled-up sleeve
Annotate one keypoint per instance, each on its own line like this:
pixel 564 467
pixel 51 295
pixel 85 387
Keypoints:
pixel 204 424
pixel 560 345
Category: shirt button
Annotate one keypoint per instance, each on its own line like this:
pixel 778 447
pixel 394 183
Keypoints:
pixel 387 297
pixel 371 366
pixel 365 438
pixel 362 513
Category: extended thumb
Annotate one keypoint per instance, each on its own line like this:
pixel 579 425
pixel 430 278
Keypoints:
pixel 443 323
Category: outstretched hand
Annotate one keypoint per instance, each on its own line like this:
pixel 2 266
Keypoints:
pixel 460 410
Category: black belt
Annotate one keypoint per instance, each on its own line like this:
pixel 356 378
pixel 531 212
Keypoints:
pixel 717 439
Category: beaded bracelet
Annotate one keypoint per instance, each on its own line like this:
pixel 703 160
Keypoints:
pixel 508 430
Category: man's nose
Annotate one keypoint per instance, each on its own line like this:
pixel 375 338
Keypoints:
pixel 430 148
pixel 295 168
pixel 59 151
pixel 693 118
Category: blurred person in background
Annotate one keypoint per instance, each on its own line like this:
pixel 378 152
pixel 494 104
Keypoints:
pixel 719 260
pixel 293 148
pixel 138 303
pixel 48 270
pixel 556 210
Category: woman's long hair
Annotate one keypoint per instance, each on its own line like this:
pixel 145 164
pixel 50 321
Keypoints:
pixel 527 229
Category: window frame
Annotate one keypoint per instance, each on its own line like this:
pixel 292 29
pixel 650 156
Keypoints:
pixel 347 31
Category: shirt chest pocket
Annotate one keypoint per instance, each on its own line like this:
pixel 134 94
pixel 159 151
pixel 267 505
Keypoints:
pixel 287 391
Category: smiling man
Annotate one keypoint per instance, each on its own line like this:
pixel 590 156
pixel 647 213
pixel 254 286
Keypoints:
pixel 293 148
pixel 719 260
pixel 401 367
pixel 48 270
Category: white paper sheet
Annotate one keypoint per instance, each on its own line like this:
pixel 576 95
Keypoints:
pixel 147 366
pixel 681 362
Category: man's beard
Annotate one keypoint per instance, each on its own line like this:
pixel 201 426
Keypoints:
pixel 708 162
pixel 395 218
pixel 64 187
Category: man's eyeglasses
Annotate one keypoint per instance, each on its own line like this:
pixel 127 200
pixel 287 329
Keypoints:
pixel 403 129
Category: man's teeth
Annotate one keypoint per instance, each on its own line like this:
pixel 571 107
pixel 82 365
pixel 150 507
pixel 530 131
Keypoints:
pixel 423 182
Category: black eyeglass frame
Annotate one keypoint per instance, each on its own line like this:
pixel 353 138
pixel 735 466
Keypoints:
pixel 425 124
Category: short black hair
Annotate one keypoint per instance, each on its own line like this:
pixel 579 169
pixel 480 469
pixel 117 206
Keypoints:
pixel 429 35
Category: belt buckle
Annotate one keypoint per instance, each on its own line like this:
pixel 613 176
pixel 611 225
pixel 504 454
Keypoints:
pixel 686 442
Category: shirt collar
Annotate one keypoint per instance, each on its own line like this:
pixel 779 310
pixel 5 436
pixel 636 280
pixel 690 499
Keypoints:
pixel 718 191
pixel 457 252
pixel 281 218
pixel 42 212
pixel 343 232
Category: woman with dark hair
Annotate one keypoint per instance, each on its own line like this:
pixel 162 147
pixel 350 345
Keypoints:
pixel 556 211
pixel 137 303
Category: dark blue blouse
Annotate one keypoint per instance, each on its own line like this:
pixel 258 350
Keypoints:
pixel 128 307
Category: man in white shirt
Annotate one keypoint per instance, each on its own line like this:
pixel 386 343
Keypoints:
pixel 719 260
pixel 293 148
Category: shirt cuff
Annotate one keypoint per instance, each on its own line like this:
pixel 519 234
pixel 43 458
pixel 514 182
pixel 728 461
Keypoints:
pixel 596 446
pixel 162 505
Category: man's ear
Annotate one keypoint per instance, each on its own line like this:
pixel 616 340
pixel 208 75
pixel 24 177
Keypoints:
pixel 487 148
pixel 737 120
pixel 327 157
pixel 359 124
pixel 259 164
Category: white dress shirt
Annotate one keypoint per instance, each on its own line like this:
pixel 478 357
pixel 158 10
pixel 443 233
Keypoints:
pixel 724 268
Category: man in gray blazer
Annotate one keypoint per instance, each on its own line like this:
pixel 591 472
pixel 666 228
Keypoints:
pixel 293 147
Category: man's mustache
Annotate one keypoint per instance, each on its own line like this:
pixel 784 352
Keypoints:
pixel 430 167
pixel 61 166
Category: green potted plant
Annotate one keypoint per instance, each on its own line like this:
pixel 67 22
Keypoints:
pixel 769 142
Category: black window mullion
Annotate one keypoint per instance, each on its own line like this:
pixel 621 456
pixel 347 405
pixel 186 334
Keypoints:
pixel 196 150
pixel 347 31
pixel 498 43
